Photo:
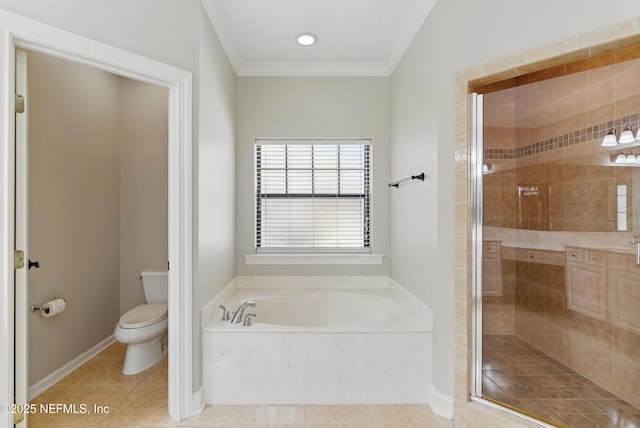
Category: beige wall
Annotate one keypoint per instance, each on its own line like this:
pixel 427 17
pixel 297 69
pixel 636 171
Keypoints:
pixel 74 208
pixel 312 107
pixel 98 201
pixel 143 185
pixel 214 189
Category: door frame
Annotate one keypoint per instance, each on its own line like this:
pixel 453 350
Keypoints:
pixel 20 32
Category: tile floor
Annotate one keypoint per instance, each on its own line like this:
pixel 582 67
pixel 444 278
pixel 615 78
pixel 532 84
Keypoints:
pixel 141 401
pixel 517 374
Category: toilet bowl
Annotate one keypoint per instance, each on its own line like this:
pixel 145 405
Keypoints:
pixel 144 327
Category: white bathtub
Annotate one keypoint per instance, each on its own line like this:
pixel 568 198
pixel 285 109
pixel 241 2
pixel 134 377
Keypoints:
pixel 329 346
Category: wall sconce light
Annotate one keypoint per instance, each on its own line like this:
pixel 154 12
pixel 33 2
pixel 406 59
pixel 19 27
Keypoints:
pixel 626 137
pixel 626 159
pixel 610 139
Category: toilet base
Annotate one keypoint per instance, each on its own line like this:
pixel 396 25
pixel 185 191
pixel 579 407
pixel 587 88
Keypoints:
pixel 141 356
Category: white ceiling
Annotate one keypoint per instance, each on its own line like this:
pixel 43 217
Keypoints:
pixel 355 37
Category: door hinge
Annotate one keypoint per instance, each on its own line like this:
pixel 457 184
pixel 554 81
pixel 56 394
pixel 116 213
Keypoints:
pixel 18 259
pixel 19 103
pixel 18 418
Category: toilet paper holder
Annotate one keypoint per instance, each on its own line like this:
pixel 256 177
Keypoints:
pixel 37 308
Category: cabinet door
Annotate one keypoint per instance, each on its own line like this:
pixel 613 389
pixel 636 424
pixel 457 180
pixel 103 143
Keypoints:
pixel 625 299
pixel 587 290
pixel 491 275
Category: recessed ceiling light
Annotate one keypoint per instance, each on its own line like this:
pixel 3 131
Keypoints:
pixel 306 39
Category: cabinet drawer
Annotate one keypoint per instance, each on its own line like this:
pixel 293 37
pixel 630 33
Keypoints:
pixel 531 256
pixel 621 261
pixel 491 247
pixel 575 255
pixel 596 258
pixel 534 256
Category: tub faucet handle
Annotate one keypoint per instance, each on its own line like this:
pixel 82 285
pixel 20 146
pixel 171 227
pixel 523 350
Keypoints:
pixel 225 313
pixel 247 319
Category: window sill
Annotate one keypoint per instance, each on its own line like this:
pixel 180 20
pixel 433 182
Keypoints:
pixel 313 259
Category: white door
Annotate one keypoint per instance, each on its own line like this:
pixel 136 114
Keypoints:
pixel 21 235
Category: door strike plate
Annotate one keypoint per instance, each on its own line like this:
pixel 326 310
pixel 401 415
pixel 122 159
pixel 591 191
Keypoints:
pixel 19 103
pixel 18 259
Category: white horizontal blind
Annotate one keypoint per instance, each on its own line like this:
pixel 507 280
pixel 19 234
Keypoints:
pixel 313 195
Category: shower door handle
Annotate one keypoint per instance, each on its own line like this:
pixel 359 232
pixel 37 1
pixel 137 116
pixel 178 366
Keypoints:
pixel 636 242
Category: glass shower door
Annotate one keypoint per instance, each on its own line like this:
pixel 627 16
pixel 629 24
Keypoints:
pixel 557 325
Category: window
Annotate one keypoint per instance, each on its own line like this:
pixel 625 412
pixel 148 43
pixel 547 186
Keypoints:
pixel 313 195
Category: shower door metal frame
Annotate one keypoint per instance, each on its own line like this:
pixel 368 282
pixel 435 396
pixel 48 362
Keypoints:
pixel 475 176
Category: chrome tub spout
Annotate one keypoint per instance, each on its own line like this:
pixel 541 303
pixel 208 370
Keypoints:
pixel 237 315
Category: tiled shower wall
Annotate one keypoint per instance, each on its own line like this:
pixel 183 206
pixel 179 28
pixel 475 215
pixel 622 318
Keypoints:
pixel 543 132
pixel 546 135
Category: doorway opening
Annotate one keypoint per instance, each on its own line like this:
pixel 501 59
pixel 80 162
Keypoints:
pixel 22 33
pixel 97 205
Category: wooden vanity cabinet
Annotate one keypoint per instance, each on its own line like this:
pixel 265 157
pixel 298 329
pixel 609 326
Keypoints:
pixel 491 269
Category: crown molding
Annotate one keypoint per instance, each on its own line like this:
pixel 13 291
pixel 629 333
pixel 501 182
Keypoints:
pixel 218 18
pixel 313 69
pixel 418 16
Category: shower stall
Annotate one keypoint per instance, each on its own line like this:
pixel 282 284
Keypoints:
pixel 556 232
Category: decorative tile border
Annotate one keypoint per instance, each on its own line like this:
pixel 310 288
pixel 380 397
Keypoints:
pixel 576 137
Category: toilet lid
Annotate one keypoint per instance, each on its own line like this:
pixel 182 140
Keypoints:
pixel 144 315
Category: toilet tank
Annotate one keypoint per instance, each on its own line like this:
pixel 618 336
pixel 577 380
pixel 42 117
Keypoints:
pixel 155 283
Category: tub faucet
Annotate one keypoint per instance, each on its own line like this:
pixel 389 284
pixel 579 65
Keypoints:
pixel 237 315
pixel 247 319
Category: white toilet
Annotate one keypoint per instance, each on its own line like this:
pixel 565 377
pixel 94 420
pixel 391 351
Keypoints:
pixel 143 327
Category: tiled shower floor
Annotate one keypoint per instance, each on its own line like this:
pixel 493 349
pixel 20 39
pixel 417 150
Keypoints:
pixel 517 374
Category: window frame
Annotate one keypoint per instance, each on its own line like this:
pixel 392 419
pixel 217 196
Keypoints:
pixel 366 197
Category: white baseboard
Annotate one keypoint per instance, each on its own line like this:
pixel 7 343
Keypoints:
pixel 441 404
pixel 46 383
pixel 197 402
